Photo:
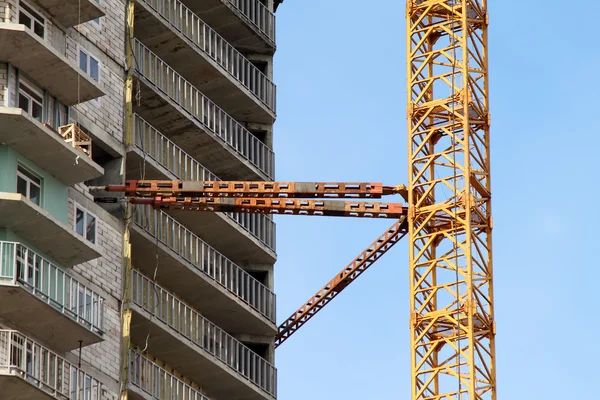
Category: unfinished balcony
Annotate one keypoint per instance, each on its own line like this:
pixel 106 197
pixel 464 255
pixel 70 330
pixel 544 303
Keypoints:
pixel 30 371
pixel 196 124
pixel 67 162
pixel 243 237
pixel 181 39
pixel 209 281
pixel 40 229
pixel 246 24
pixel 148 380
pixel 49 68
pixel 42 299
pixel 195 347
pixel 69 13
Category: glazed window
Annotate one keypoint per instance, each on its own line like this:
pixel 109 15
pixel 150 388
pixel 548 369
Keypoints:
pixel 32 20
pixel 29 185
pixel 85 223
pixel 31 100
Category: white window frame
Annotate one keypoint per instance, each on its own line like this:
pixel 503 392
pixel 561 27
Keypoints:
pixel 86 212
pixel 88 64
pixel 34 89
pixel 30 182
pixel 45 20
pixel 98 21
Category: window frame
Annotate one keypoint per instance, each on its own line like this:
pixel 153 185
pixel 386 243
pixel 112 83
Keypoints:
pixel 89 56
pixel 38 91
pixel 86 213
pixel 29 183
pixel 45 20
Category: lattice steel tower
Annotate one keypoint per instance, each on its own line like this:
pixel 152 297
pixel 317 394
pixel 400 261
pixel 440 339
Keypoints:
pixel 450 222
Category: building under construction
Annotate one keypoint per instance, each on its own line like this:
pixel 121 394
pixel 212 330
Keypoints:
pixel 165 291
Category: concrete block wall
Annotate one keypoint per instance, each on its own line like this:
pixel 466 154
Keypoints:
pixel 8 10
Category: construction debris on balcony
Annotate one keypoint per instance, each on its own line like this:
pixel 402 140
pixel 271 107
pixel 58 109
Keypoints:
pixel 77 137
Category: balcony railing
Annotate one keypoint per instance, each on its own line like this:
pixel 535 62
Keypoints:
pixel 157 381
pixel 21 266
pixel 185 167
pixel 203 333
pixel 258 14
pixel 44 369
pixel 206 259
pixel 215 120
pixel 217 48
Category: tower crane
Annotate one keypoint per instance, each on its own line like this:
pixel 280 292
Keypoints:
pixel 447 219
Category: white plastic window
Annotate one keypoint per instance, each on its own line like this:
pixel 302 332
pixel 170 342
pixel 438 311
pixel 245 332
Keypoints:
pixel 29 185
pixel 85 223
pixel 31 100
pixel 89 64
pixel 32 19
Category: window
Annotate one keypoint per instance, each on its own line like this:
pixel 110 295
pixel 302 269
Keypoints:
pixel 85 223
pixel 31 100
pixel 97 20
pixel 32 20
pixel 90 65
pixel 29 185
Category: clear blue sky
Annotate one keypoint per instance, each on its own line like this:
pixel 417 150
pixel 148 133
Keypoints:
pixel 340 71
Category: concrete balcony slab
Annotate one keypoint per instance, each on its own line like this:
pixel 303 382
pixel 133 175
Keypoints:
pixel 192 59
pixel 37 142
pixel 198 288
pixel 39 318
pixel 14 386
pixel 217 379
pixel 71 12
pixel 247 25
pixel 193 136
pixel 45 65
pixel 218 229
pixel 34 224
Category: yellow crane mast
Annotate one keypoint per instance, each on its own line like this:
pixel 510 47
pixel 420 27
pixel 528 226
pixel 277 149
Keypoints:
pixel 449 196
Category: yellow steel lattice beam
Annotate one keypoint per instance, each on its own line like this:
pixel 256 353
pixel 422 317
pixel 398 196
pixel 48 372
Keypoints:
pixel 450 223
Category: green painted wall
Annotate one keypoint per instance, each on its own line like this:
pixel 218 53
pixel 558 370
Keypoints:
pixel 55 195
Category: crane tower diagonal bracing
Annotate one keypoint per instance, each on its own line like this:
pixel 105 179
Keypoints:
pixel 450 222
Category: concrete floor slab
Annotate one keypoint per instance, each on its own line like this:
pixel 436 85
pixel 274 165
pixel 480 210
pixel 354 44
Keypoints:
pixel 50 152
pixel 45 65
pixel 199 289
pixel 15 387
pixel 198 68
pixel 56 240
pixel 71 12
pixel 217 379
pixel 43 321
pixel 192 136
pixel 216 229
pixel 233 25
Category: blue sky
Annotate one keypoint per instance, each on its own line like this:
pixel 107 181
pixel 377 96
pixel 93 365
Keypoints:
pixel 340 72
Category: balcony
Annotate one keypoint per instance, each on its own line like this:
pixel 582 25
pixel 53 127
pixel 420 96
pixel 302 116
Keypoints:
pixel 30 371
pixel 244 237
pixel 40 298
pixel 181 39
pixel 210 282
pixel 69 13
pixel 148 381
pixel 38 142
pixel 196 347
pixel 196 124
pixel 35 225
pixel 246 24
pixel 45 65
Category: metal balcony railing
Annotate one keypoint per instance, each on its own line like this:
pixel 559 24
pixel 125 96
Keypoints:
pixel 203 110
pixel 166 153
pixel 206 259
pixel 258 14
pixel 157 381
pixel 203 333
pixel 212 44
pixel 44 369
pixel 22 266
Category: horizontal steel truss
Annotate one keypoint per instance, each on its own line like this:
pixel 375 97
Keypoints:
pixel 450 225
pixel 330 208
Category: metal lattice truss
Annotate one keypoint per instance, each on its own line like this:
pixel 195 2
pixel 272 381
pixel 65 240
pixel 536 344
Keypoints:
pixel 450 225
